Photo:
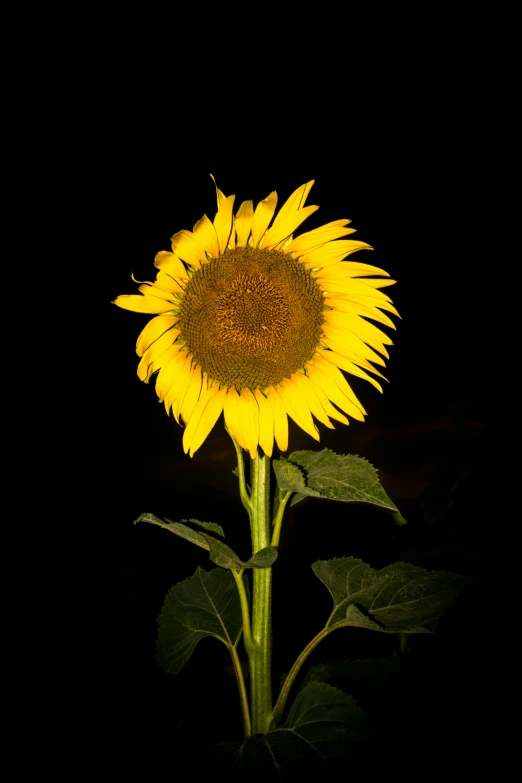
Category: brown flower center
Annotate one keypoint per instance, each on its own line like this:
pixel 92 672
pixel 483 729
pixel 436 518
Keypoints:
pixel 251 317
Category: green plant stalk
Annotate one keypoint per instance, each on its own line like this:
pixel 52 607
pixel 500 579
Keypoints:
pixel 284 497
pixel 243 492
pixel 260 654
pixel 245 612
pixel 243 697
pixel 294 671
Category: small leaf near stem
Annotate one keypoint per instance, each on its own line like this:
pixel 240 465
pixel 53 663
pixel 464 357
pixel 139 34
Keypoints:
pixel 219 552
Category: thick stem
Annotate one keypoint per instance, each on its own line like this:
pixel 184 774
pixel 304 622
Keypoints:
pixel 260 655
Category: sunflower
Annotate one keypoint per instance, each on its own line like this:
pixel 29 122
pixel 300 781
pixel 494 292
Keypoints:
pixel 258 324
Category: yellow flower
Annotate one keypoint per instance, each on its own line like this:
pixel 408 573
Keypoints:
pixel 257 324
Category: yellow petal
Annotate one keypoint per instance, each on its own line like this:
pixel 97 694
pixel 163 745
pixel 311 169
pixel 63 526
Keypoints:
pixel 186 403
pixel 185 246
pixel 280 419
pixel 342 340
pixel 295 202
pixel 332 253
pixel 354 357
pixel 232 237
pixel 167 283
pixel 223 222
pixel 349 366
pixel 369 300
pixel 160 293
pixel 357 269
pixel 233 417
pixel 149 361
pixel 282 229
pixel 170 263
pixel 154 329
pixel 308 241
pixel 377 283
pixel 312 400
pixel 249 420
pixel 244 220
pixel 296 407
pixel 179 382
pixel 143 304
pixel 332 412
pixel 266 423
pixel 364 329
pixel 331 389
pixel 207 411
pixel 220 196
pixel 205 237
pixel 358 306
pixel 332 283
pixel 336 375
pixel 262 217
pixel 168 374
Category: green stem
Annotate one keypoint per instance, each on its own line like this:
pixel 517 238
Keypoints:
pixel 260 654
pixel 294 671
pixel 243 492
pixel 243 697
pixel 284 497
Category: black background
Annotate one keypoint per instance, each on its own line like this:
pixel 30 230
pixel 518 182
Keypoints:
pixel 403 171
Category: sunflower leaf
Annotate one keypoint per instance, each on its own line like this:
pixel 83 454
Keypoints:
pixel 210 526
pixel 220 554
pixel 263 559
pixel 398 598
pixel 344 477
pixel 323 724
pixel 205 604
pixel 289 476
pixel 175 527
pixel 225 557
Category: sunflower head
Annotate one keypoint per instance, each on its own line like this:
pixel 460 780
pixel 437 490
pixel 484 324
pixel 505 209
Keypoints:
pixel 256 323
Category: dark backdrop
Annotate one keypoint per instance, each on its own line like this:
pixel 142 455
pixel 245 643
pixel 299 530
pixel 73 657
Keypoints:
pixel 404 173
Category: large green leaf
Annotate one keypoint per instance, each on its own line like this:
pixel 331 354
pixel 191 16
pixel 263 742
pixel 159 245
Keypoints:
pixel 220 554
pixel 323 724
pixel 205 604
pixel 324 474
pixel 400 597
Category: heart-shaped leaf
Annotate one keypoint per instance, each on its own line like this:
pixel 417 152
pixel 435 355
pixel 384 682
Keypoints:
pixel 205 604
pixel 400 597
pixel 323 724
pixel 324 474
